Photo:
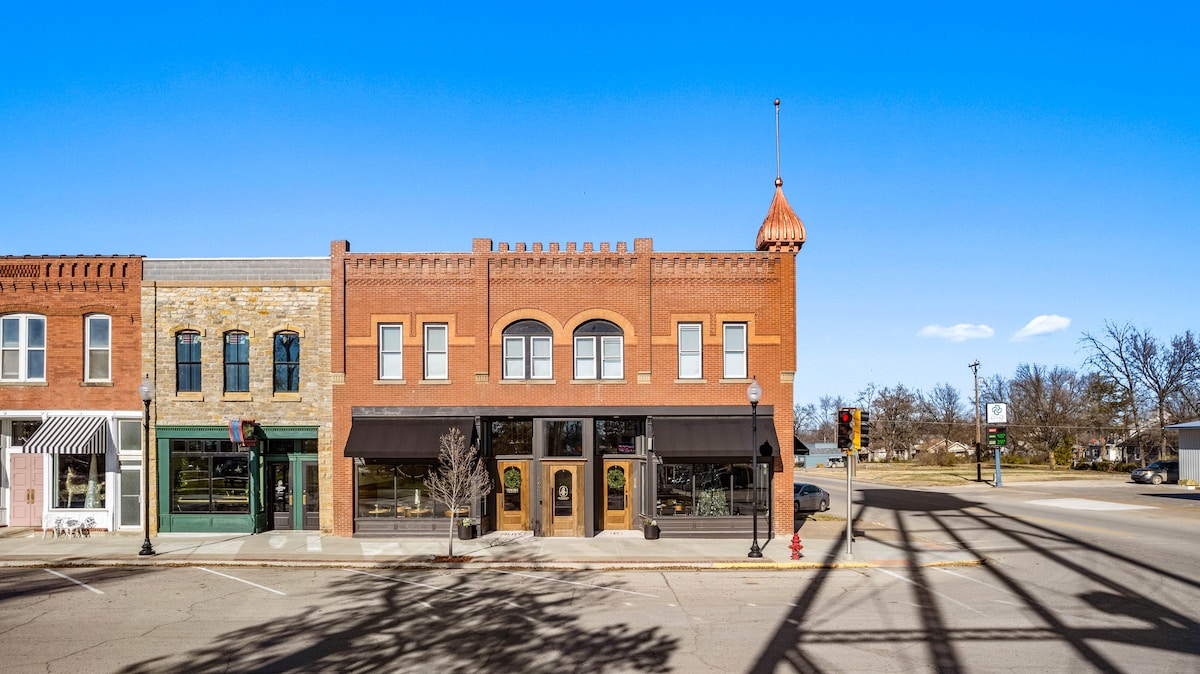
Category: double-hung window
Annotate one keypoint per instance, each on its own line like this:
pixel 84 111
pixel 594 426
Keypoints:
pixel 287 362
pixel 528 351
pixel 187 361
pixel 599 351
pixel 437 356
pixel 237 362
pixel 735 350
pixel 689 351
pixel 391 351
pixel 23 347
pixel 98 347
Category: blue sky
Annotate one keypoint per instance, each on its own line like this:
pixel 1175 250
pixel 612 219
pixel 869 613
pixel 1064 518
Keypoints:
pixel 996 167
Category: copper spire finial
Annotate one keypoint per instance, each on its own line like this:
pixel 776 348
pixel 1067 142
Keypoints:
pixel 781 231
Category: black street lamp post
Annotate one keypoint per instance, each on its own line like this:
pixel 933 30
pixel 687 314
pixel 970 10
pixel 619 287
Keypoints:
pixel 754 392
pixel 146 391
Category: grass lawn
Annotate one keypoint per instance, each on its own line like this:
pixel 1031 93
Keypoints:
pixel 908 475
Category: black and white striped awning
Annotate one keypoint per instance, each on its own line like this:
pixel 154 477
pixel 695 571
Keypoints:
pixel 69 435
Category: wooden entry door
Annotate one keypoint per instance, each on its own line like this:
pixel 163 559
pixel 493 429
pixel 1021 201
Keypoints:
pixel 512 496
pixel 562 499
pixel 617 500
pixel 27 489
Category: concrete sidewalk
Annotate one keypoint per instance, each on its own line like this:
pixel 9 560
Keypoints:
pixel 824 546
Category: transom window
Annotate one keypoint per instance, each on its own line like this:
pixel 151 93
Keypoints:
pixel 437 357
pixel 735 350
pixel 98 349
pixel 690 355
pixel 599 351
pixel 391 351
pixel 528 351
pixel 23 347
pixel 287 362
pixel 187 361
pixel 237 362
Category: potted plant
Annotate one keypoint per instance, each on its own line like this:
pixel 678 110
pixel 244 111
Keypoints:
pixel 466 529
pixel 650 528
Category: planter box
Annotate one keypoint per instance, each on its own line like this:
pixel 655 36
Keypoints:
pixel 466 533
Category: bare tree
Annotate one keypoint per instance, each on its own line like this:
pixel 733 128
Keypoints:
pixel 1112 354
pixel 460 480
pixel 1164 372
pixel 806 421
pixel 894 420
pixel 1045 402
pixel 943 415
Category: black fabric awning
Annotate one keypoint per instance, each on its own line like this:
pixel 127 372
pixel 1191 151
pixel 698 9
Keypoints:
pixel 403 437
pixel 69 435
pixel 711 437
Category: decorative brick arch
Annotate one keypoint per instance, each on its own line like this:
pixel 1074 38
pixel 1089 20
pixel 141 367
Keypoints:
pixel 605 315
pixel 176 329
pixel 287 328
pixel 497 336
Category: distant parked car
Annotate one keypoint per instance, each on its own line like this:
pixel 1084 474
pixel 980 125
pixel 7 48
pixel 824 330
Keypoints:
pixel 810 497
pixel 1157 472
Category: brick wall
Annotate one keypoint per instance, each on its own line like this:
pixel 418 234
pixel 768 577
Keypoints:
pixel 477 294
pixel 65 290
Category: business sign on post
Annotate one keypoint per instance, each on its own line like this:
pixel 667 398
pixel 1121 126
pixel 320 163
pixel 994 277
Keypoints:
pixel 997 413
pixel 997 436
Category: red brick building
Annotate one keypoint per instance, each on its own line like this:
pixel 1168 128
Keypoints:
pixel 600 383
pixel 70 414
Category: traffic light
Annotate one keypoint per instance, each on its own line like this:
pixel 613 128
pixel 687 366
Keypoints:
pixel 845 428
pixel 862 429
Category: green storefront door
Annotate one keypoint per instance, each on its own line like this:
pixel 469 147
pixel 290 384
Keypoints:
pixel 293 493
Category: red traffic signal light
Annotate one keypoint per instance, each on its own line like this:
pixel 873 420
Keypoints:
pixel 845 428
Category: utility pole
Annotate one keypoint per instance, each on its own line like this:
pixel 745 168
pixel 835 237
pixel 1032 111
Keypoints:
pixel 978 456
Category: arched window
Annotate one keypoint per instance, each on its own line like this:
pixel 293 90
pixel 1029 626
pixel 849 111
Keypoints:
pixel 599 351
pixel 187 361
pixel 23 347
pixel 287 362
pixel 237 362
pixel 528 351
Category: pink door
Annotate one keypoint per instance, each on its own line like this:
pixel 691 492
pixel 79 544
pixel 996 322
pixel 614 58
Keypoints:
pixel 25 489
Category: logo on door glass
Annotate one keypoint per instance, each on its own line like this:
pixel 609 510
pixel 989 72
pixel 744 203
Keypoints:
pixel 564 492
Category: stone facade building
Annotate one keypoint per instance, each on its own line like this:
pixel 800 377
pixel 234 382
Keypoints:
pixel 238 351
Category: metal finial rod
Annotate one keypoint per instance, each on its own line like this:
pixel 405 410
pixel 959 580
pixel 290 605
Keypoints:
pixel 778 174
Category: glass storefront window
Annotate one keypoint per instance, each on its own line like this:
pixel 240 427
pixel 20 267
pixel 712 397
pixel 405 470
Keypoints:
pixel 512 437
pixel 563 438
pixel 707 490
pixel 80 480
pixel 209 476
pixel 617 436
pixel 398 491
pixel 22 429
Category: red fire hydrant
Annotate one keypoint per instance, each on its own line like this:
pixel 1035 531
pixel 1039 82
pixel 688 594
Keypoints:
pixel 796 547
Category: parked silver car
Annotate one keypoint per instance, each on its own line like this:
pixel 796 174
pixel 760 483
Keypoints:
pixel 1157 472
pixel 810 497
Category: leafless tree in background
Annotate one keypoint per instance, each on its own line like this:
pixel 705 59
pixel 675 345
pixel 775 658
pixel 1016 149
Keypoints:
pixel 894 418
pixel 1046 403
pixel 1112 354
pixel 1165 373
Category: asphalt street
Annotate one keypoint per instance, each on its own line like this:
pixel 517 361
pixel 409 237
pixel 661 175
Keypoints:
pixel 1080 577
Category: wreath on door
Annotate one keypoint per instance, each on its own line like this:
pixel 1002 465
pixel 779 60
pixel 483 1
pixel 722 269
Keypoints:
pixel 616 478
pixel 512 478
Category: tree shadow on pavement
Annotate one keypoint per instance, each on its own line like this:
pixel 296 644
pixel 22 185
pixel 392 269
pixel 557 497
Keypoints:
pixel 390 621
pixel 1147 622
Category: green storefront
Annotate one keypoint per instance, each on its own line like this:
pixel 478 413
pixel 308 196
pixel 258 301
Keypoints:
pixel 208 483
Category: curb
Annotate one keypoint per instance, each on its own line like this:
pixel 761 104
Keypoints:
pixel 495 565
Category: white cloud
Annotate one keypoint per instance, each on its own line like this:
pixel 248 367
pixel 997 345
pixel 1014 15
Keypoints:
pixel 957 333
pixel 1042 325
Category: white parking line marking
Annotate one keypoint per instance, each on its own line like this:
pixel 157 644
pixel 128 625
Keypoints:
pixel 931 591
pixel 571 582
pixel 225 575
pixel 77 582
